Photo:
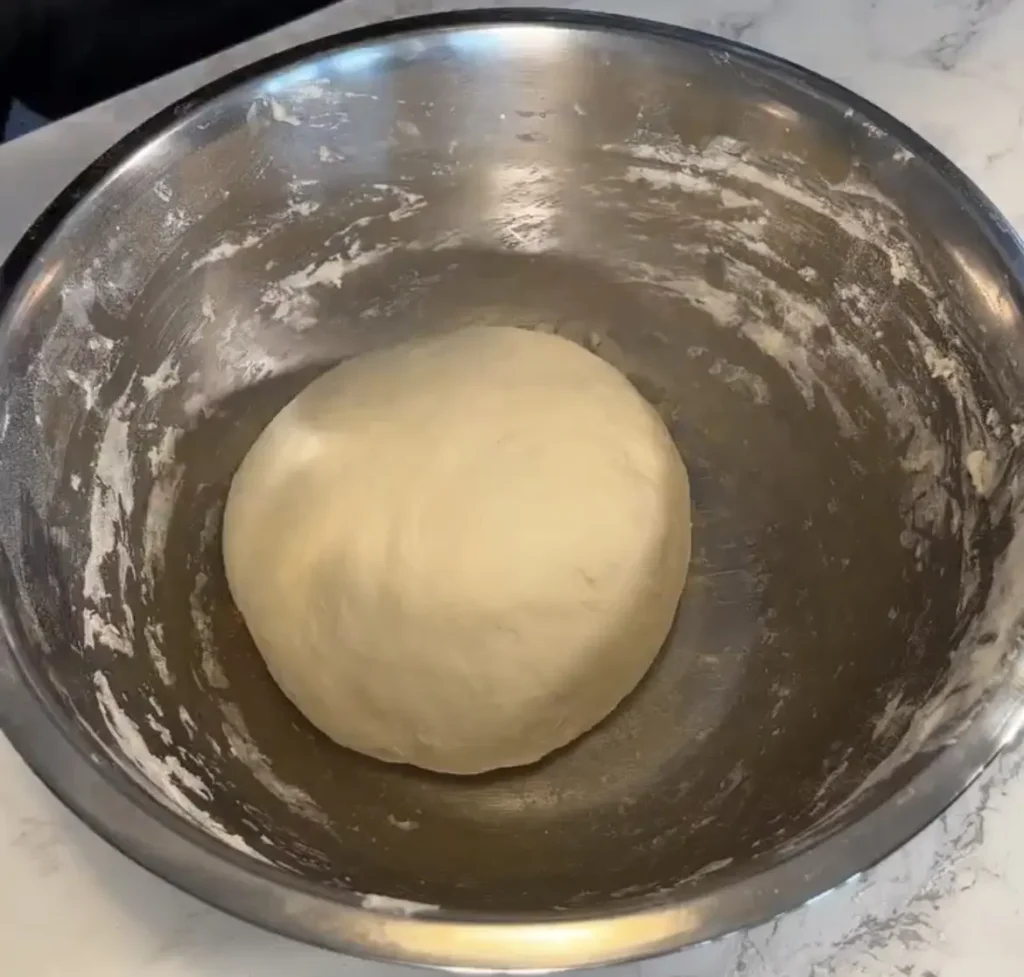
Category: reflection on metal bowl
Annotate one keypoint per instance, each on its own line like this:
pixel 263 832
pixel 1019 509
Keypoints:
pixel 825 312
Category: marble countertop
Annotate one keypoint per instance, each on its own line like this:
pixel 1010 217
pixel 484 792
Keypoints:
pixel 949 904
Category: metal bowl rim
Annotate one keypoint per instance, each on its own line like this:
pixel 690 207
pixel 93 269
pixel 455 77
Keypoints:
pixel 149 834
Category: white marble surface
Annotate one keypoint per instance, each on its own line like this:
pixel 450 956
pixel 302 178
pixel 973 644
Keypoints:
pixel 950 904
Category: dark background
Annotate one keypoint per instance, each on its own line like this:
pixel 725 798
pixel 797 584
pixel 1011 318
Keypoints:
pixel 59 56
pixel 21 120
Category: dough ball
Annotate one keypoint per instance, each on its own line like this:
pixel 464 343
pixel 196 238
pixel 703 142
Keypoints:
pixel 463 552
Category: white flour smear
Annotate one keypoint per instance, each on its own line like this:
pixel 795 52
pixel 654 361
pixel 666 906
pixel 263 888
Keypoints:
pixel 241 742
pixel 176 786
pixel 113 499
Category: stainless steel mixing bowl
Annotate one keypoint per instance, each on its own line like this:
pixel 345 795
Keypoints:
pixel 828 316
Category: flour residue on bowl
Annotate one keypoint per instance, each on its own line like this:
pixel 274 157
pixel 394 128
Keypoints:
pixel 242 744
pixel 160 505
pixel 124 463
pixel 133 487
pixel 817 346
pixel 176 785
pixel 113 499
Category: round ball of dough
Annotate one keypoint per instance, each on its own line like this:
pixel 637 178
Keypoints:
pixel 463 552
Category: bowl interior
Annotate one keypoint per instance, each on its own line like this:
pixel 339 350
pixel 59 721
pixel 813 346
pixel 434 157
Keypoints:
pixel 830 336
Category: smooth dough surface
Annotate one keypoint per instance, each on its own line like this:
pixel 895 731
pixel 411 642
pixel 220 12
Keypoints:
pixel 463 552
